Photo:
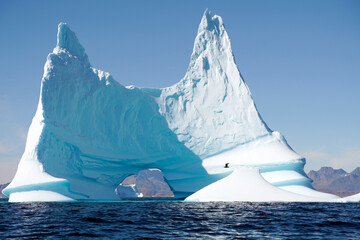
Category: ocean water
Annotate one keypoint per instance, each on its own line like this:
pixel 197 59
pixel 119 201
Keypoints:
pixel 179 220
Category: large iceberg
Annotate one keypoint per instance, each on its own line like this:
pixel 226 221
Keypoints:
pixel 89 132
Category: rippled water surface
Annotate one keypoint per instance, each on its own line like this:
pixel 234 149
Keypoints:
pixel 179 220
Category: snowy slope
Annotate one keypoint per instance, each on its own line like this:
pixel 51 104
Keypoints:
pixel 247 185
pixel 89 132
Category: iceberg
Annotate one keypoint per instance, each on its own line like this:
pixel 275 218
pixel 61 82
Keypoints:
pixel 204 133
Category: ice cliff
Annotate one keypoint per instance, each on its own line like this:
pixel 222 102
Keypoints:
pixel 89 132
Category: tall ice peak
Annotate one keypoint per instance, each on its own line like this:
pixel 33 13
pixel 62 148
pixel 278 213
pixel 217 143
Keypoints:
pixel 212 50
pixel 66 39
pixel 210 23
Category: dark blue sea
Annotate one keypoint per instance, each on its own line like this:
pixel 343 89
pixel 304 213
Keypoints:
pixel 179 220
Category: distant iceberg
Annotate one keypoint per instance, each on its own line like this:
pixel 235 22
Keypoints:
pixel 204 133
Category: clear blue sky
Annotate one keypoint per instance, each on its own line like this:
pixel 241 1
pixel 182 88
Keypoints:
pixel 300 59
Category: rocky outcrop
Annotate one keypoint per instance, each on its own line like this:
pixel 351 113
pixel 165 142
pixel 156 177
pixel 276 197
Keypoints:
pixel 2 186
pixel 150 183
pixel 336 181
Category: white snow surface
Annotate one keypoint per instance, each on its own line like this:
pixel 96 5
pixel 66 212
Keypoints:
pixel 90 132
pixel 306 191
pixel 353 198
pixel 38 196
pixel 246 184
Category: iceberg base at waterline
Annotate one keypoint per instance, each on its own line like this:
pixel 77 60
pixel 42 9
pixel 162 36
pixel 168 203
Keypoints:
pixel 245 184
pixel 38 196
pixel 353 198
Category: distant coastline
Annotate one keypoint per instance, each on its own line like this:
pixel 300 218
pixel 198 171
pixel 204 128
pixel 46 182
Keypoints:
pixel 336 181
pixel 2 186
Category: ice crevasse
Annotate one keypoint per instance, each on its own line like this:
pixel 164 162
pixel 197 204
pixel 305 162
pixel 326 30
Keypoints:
pixel 90 132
